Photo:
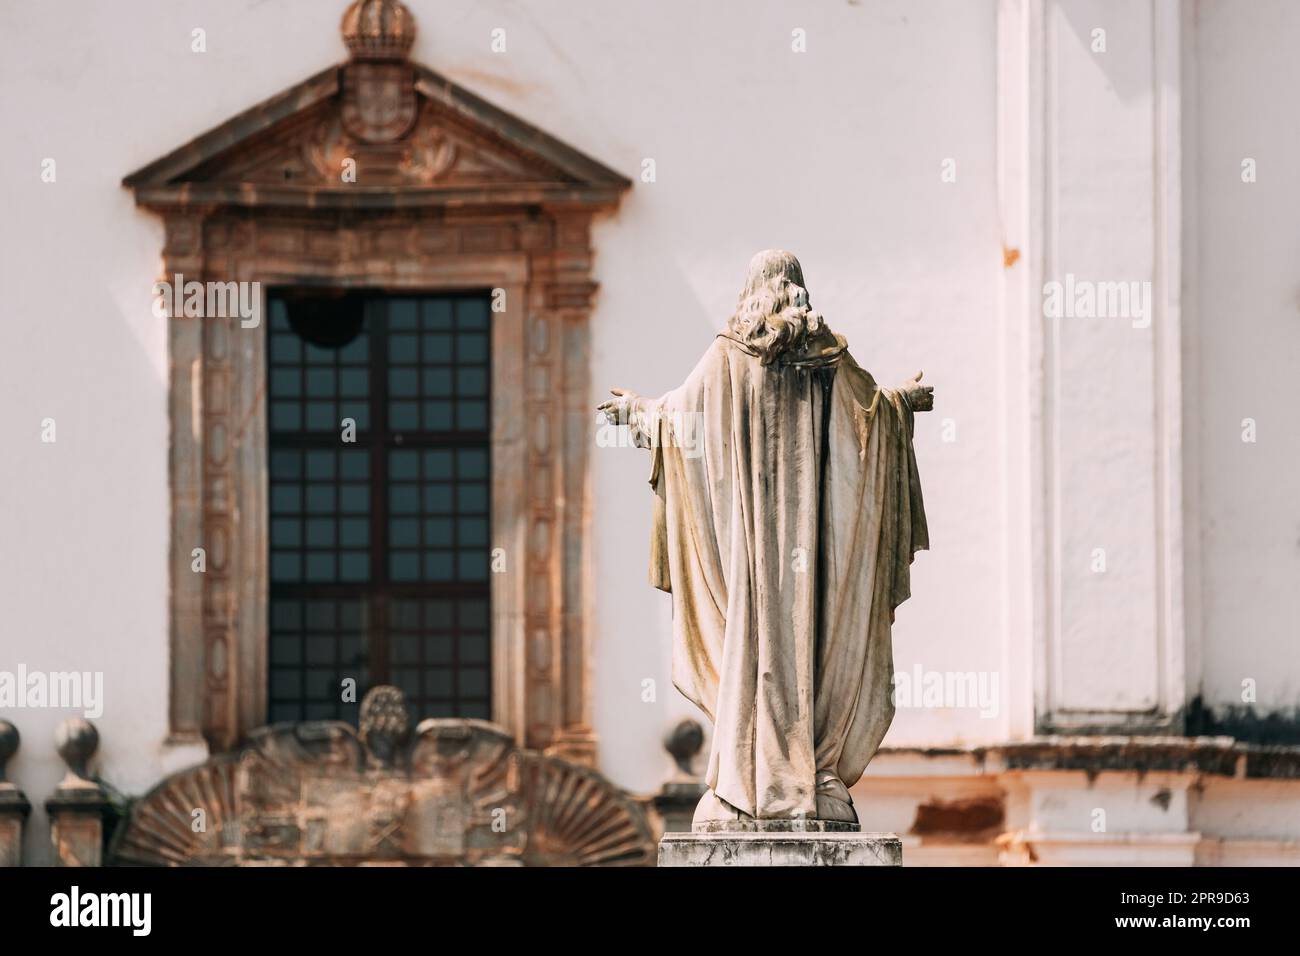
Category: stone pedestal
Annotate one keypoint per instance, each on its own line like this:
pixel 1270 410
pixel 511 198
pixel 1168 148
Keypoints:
pixel 14 807
pixel 79 805
pixel 780 843
pixel 77 825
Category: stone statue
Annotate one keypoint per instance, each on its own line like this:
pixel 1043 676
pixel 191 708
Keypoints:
pixel 787 512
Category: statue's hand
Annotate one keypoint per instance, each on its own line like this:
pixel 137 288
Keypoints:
pixel 920 397
pixel 618 409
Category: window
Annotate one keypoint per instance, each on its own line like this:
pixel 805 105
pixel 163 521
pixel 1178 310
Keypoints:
pixel 379 535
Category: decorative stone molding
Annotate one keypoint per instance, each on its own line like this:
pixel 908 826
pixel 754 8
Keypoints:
pixel 456 792
pixel 450 193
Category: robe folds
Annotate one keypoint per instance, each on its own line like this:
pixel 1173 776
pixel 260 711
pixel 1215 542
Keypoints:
pixel 787 513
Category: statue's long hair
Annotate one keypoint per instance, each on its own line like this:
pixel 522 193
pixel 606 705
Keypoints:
pixel 773 317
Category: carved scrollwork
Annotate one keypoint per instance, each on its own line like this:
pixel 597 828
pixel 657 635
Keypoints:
pixel 456 792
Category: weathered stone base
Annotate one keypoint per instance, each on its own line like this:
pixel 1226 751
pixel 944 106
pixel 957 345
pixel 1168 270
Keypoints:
pixel 776 848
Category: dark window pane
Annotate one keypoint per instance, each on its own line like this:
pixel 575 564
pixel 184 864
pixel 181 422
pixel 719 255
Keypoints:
pixel 404 349
pixel 438 532
pixel 471 416
pixel 286 464
pixel 354 464
pixel 320 648
pixel 474 649
pixel 437 499
pixel 472 463
pixel 286 348
pixel 404 382
pixel 359 412
pixel 403 416
pixel 286 533
pixel 406 614
pixel 320 533
pixel 472 313
pixel 285 382
pixel 403 465
pixel 474 614
pixel 437 348
pixel 404 532
pixel 440 614
pixel 404 499
pixel 438 566
pixel 286 650
pixel 437 314
pixel 321 615
pixel 354 532
pixel 437 464
pixel 438 648
pixel 320 382
pixel 286 499
pixel 316 355
pixel 404 565
pixel 286 416
pixel 402 313
pixel 358 350
pixel 473 499
pixel 320 464
pixel 336 609
pixel 320 499
pixel 354 383
pixel 322 416
pixel 437 382
pixel 438 682
pixel 286 615
pixel 437 416
pixel 321 567
pixel 354 499
pixel 471 347
pixel 471 382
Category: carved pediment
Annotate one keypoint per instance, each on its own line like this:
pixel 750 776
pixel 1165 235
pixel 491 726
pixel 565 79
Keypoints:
pixel 377 132
pixel 324 153
pixel 454 792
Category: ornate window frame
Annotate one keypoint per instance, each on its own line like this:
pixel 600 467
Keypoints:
pixel 461 195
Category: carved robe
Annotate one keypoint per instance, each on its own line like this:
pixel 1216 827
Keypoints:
pixel 787 512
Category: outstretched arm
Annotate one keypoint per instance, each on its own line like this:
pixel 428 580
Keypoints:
pixel 919 397
pixel 628 408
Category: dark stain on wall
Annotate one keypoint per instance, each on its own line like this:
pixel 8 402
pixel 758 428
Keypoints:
pixel 976 819
pixel 1244 722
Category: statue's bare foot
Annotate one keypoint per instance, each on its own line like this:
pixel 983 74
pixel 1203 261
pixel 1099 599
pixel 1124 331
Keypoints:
pixel 713 809
pixel 833 800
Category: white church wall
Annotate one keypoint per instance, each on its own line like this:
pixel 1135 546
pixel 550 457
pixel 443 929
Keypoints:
pixel 838 153
pixel 1246 292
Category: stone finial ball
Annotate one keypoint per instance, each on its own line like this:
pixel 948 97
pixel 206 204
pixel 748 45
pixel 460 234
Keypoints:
pixel 684 741
pixel 76 741
pixel 9 740
pixel 378 29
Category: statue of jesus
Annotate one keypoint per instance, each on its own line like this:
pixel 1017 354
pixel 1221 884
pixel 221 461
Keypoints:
pixel 787 511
